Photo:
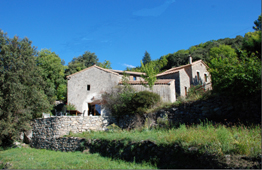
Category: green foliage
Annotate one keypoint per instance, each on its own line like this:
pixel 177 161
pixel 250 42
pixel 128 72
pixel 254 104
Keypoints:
pixel 225 51
pixel 113 128
pixel 52 72
pixel 150 74
pixel 195 93
pixel 118 100
pixel 24 95
pixel 106 64
pixel 146 59
pixel 236 77
pixel 143 100
pixel 257 23
pixel 207 137
pixel 61 92
pixel 70 106
pixel 123 100
pixel 252 43
pixel 79 63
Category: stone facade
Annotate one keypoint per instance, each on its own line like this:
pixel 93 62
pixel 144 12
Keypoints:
pixel 86 86
pixel 187 75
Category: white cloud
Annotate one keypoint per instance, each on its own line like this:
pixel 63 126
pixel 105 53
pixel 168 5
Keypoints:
pixel 154 11
pixel 130 66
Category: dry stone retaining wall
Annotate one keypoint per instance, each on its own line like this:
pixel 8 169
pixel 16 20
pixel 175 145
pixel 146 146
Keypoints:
pixel 48 130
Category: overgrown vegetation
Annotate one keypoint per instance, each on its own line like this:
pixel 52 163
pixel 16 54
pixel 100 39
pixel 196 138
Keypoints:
pixel 29 158
pixel 218 139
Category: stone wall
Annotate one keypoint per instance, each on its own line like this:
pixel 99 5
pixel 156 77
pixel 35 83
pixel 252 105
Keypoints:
pixel 51 128
pixel 215 109
pixel 46 129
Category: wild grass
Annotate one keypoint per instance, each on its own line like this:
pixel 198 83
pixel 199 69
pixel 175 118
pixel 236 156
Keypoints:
pixel 29 158
pixel 206 136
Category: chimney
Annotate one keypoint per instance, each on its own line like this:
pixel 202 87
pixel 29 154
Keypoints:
pixel 190 59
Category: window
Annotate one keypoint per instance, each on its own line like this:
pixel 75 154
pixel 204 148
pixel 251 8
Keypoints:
pixel 88 87
pixel 205 77
pixel 198 76
pixel 134 78
pixel 185 91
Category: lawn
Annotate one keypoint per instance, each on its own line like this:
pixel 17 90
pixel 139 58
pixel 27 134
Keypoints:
pixel 29 158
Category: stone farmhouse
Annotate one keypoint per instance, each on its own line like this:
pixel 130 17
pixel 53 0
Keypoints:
pixel 85 88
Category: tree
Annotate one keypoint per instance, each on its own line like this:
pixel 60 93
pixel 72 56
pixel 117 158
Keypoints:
pixel 23 93
pixel 223 51
pixel 106 64
pixel 252 43
pixel 146 59
pixel 257 23
pixel 236 76
pixel 150 74
pixel 52 71
pixel 79 63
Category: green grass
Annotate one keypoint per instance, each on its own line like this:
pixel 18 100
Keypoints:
pixel 216 139
pixel 29 158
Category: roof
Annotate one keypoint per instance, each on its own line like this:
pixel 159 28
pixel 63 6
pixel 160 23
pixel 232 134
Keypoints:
pixel 176 69
pixel 158 82
pixel 128 72
pixel 106 70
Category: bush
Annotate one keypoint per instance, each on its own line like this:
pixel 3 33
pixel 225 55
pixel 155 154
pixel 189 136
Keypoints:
pixel 143 100
pixel 124 101
pixel 70 107
pixel 118 100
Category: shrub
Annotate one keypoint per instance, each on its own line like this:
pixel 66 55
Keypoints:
pixel 118 100
pixel 143 100
pixel 70 106
pixel 123 101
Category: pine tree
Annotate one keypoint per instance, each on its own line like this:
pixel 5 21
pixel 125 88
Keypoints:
pixel 146 59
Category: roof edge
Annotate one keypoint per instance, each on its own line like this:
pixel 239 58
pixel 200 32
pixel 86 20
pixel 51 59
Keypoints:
pixel 107 70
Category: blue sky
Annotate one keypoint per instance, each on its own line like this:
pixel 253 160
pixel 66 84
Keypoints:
pixel 122 30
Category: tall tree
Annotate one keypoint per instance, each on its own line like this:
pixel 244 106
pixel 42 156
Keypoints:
pixel 257 23
pixel 52 71
pixel 79 63
pixel 106 64
pixel 150 74
pixel 24 95
pixel 252 40
pixel 146 59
